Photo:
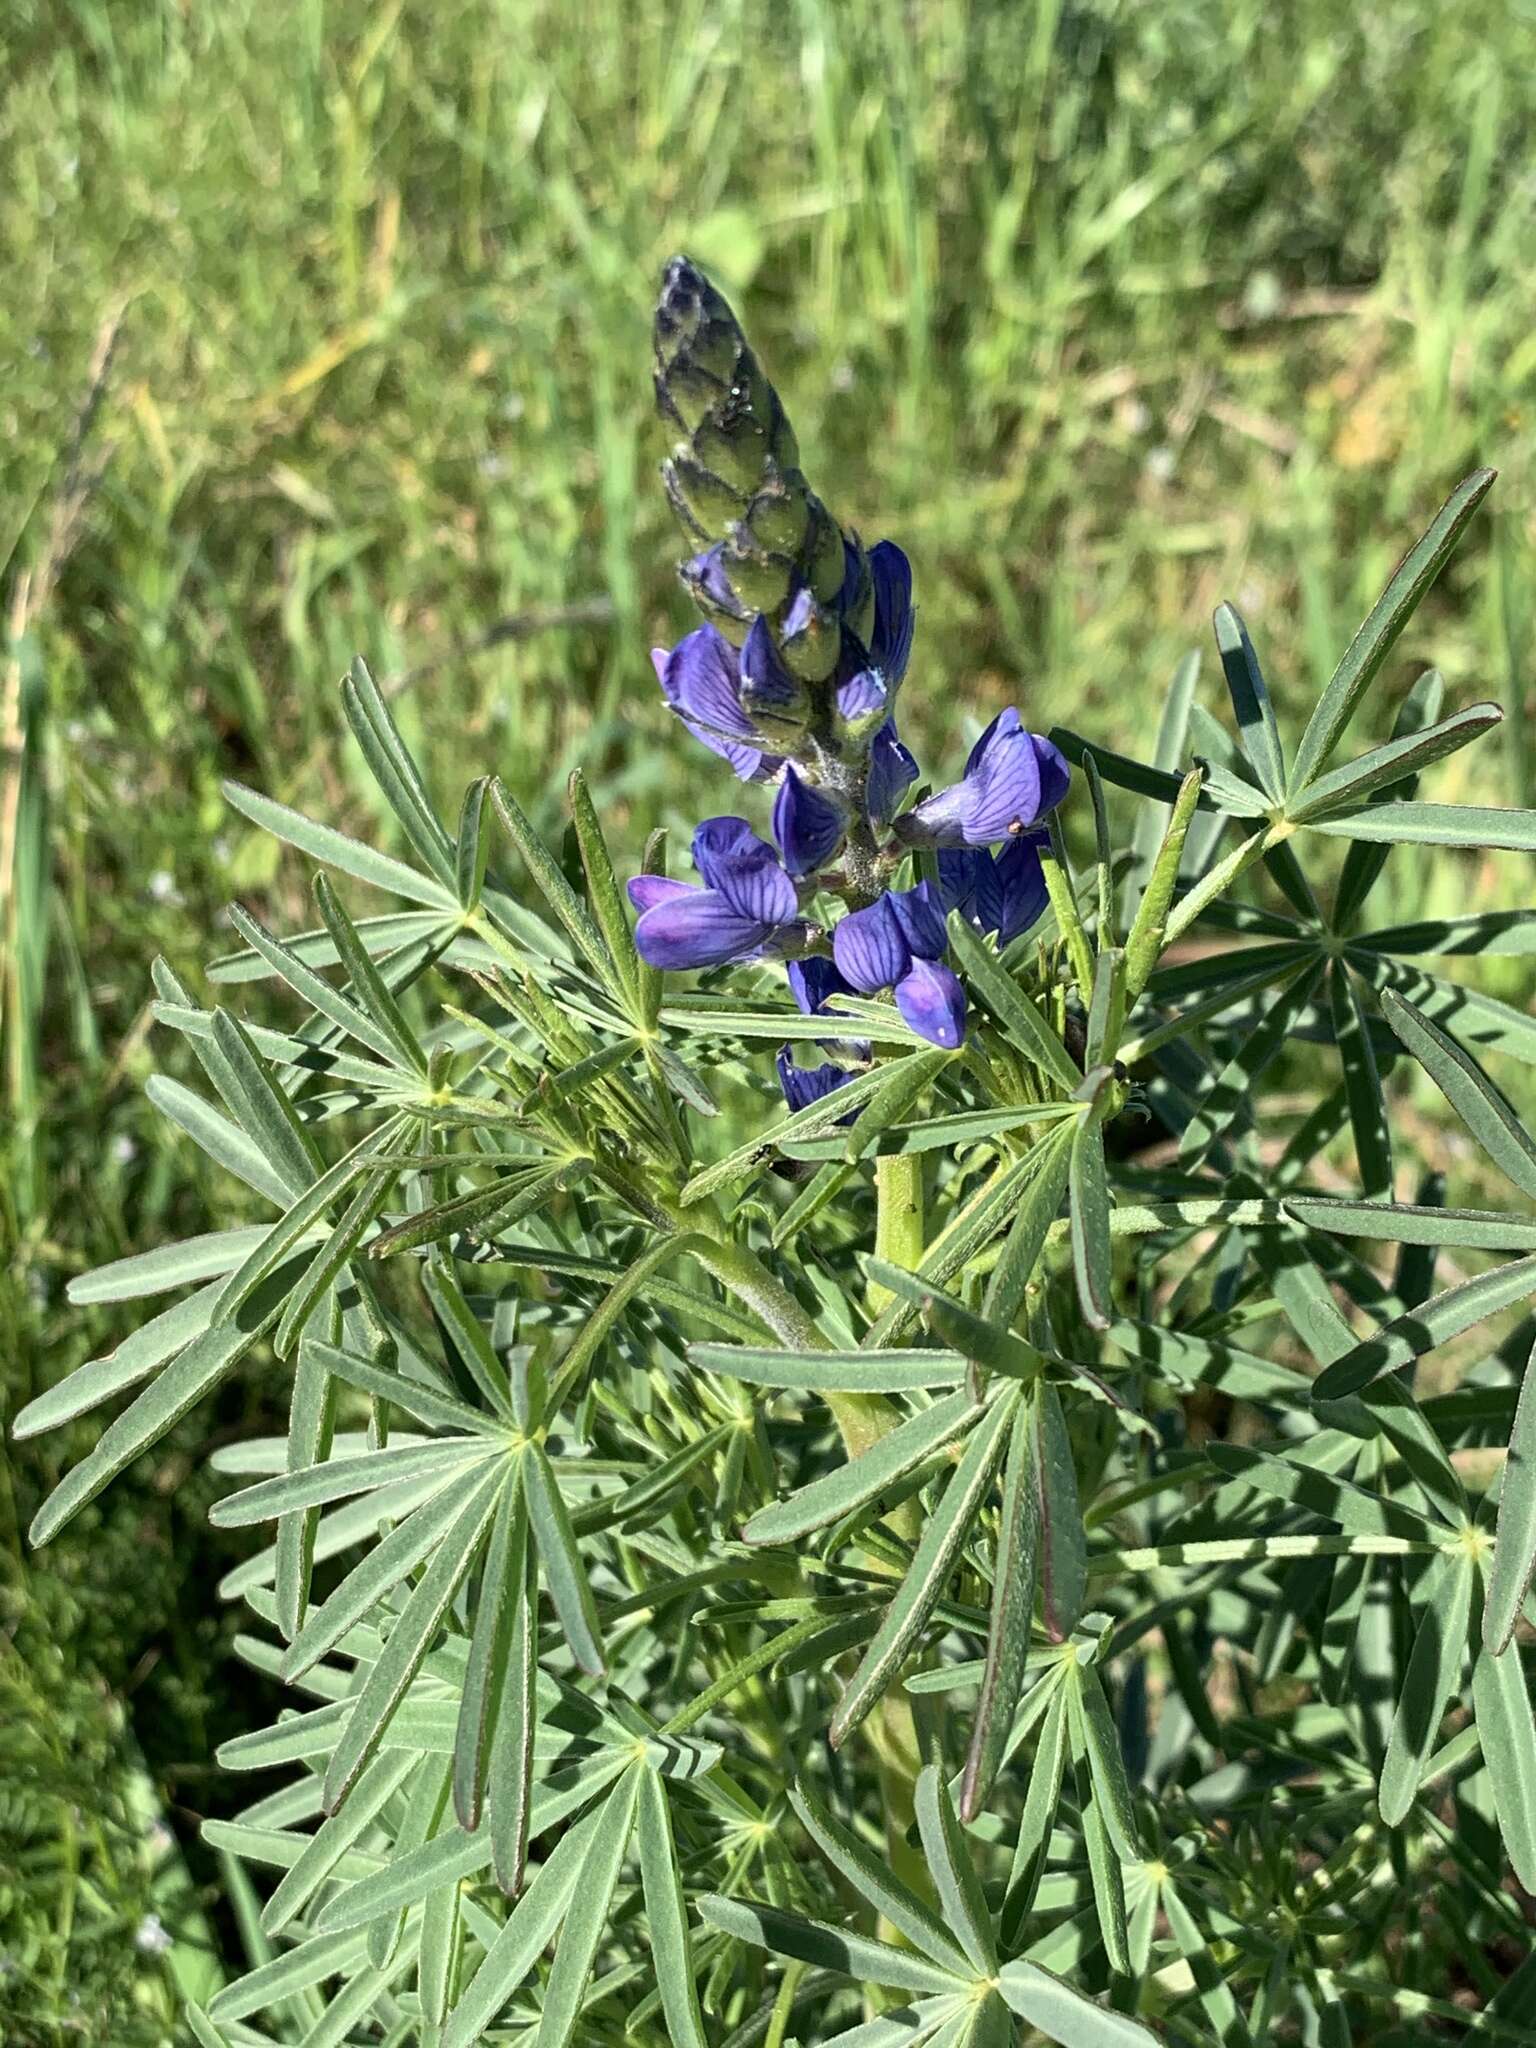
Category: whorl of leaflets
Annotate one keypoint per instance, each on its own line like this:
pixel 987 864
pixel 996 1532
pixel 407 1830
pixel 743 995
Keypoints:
pixel 968 1559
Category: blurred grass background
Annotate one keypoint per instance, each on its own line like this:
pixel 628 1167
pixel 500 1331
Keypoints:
pixel 1105 310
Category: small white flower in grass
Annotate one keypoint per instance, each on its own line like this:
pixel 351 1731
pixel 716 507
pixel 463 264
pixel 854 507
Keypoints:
pixel 151 1938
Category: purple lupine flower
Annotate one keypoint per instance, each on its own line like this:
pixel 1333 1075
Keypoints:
pixel 1012 779
pixel 898 943
pixel 813 980
pixel 747 909
pixel 808 825
pixel 1002 892
pixel 768 690
pixel 804 1085
pixel 890 639
pixel 891 769
pixel 700 679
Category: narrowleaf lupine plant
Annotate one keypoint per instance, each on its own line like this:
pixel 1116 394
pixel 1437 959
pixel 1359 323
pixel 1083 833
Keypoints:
pixel 970 1557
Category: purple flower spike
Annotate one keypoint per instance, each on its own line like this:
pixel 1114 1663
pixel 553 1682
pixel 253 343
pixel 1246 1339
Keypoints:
pixel 1012 779
pixel 871 949
pixel 804 1085
pixel 807 824
pixel 930 998
pixel 891 770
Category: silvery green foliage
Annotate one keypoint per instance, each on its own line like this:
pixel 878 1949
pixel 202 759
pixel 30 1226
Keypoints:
pixel 964 1561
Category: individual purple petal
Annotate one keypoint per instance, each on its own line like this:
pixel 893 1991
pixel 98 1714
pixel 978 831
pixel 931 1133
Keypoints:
pixel 1055 774
pixel 891 770
pixel 765 681
pixel 646 891
pixel 959 876
pixel 697 930
pixel 932 1001
pixel 921 917
pixel 719 842
pixel 939 820
pixel 701 682
pixel 705 575
pixel 808 825
pixel 812 981
pixel 660 656
pixel 1022 894
pixel 744 870
pixel 861 694
pixel 1005 789
pixel 1002 727
pixel 870 948
pixel 890 641
pixel 804 1085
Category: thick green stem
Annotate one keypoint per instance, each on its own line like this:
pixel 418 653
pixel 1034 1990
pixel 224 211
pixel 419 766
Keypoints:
pixel 900 1235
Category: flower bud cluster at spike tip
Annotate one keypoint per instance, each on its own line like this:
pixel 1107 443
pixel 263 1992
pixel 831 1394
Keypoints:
pixel 770 549
pixel 793 680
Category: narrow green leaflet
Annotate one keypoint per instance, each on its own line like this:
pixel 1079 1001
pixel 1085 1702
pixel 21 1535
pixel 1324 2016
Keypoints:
pixel 1013 1600
pixel 1344 788
pixel 1420 824
pixel 564 1573
pixel 1017 1017
pixel 1063 1547
pixel 1375 640
pixel 1064 2015
pixel 1514 1556
pixel 851 1372
pixel 864 1478
pixel 1362 1085
pixel 527 1932
pixel 834 1948
pixel 1501 1704
pixel 1434 1666
pixel 953 1873
pixel 871 1875
pixel 1088 1196
pixel 409 1640
pixel 1255 715
pixel 667 1914
pixel 587 1914
pixel 1434 1322
pixel 1033 1839
pixel 1468 1090
pixel 946 1528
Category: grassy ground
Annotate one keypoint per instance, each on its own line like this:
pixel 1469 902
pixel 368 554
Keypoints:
pixel 1106 311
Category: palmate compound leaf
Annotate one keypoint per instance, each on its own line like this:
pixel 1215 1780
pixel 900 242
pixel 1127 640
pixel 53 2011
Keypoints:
pixel 1022 1987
